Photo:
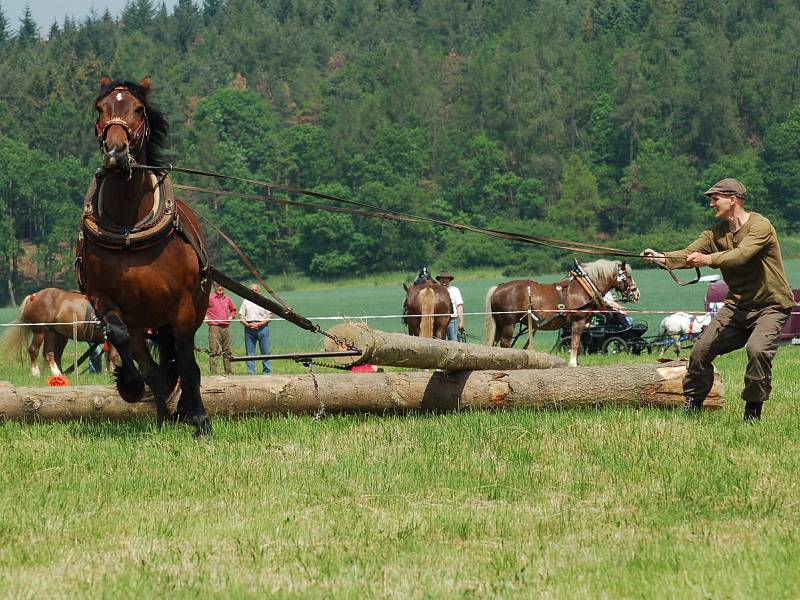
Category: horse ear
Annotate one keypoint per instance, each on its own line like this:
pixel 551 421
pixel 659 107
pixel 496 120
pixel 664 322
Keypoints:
pixel 145 83
pixel 405 287
pixel 105 81
pixel 623 265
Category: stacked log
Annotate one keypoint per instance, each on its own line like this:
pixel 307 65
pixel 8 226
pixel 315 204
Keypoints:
pixel 400 350
pixel 624 385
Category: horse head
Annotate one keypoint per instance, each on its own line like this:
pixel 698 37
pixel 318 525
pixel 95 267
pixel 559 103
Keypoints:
pixel 124 119
pixel 625 283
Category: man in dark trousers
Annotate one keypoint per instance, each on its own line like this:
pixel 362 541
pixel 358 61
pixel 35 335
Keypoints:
pixel 744 247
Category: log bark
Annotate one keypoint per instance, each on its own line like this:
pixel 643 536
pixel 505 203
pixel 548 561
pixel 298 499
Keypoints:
pixel 632 385
pixel 400 350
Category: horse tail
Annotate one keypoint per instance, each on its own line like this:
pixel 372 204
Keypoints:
pixel 15 339
pixel 427 306
pixel 490 327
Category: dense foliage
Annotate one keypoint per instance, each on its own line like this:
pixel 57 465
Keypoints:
pixel 589 119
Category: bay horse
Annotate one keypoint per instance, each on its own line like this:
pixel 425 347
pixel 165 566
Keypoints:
pixel 565 301
pixel 45 319
pixel 141 256
pixel 427 309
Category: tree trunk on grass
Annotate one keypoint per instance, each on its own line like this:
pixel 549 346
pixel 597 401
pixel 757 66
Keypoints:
pixel 400 350
pixel 624 385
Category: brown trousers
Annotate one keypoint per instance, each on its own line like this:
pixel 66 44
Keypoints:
pixel 758 331
pixel 219 342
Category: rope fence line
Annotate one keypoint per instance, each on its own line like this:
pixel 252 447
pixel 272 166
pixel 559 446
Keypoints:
pixel 397 316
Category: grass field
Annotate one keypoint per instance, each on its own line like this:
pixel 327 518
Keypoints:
pixel 595 503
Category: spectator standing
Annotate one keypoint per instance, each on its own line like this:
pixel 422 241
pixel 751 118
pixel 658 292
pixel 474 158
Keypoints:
pixel 256 331
pixel 221 311
pixel 456 323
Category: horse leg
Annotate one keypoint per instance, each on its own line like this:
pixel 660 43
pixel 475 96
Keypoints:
pixel 33 352
pixel 440 328
pixel 153 376
pixel 165 341
pixel 55 343
pixel 577 331
pixel 130 383
pixel 190 405
pixel 506 334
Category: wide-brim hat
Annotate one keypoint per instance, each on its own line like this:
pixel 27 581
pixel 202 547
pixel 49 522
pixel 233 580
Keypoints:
pixel 727 186
pixel 444 275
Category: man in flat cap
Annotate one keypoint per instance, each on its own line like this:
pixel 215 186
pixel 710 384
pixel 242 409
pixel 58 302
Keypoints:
pixel 456 323
pixel 744 247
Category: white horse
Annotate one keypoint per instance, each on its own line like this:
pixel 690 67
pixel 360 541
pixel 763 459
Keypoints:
pixel 681 324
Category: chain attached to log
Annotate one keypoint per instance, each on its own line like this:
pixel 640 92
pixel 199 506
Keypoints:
pixel 321 410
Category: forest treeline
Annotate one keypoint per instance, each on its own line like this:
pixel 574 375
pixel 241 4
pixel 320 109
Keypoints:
pixel 598 121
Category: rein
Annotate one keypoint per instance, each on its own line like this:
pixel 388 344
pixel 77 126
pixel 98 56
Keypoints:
pixel 369 210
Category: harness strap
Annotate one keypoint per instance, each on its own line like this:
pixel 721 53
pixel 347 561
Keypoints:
pixel 588 285
pixel 167 217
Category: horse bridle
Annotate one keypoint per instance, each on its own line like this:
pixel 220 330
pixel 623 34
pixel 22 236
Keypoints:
pixel 135 136
pixel 622 278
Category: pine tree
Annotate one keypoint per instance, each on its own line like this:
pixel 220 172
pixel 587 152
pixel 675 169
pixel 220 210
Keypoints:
pixel 28 30
pixel 3 27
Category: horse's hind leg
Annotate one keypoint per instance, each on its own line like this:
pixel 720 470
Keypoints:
pixel 33 352
pixel 153 376
pixel 55 342
pixel 190 405
pixel 506 330
pixel 167 360
pixel 130 383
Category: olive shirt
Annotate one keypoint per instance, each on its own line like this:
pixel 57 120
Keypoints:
pixel 750 262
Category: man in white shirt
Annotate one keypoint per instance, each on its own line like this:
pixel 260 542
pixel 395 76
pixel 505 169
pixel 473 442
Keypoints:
pixel 256 329
pixel 457 316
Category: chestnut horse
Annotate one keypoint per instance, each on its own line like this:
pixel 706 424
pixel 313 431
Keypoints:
pixel 565 302
pixel 141 256
pixel 46 318
pixel 427 310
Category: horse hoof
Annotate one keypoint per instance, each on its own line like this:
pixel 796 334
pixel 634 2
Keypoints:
pixel 130 387
pixel 202 426
pixel 167 419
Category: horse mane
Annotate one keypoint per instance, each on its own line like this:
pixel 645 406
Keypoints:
pixel 155 120
pixel 601 269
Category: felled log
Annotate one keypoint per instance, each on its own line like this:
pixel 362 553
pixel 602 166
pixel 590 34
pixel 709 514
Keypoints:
pixel 624 385
pixel 400 350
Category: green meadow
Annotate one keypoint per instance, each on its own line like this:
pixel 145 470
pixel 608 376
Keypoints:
pixel 603 503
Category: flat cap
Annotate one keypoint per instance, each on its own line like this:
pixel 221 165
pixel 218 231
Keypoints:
pixel 727 186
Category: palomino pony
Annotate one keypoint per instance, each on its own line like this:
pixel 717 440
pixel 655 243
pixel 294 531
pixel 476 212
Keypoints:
pixel 46 318
pixel 680 324
pixel 555 305
pixel 427 309
pixel 141 256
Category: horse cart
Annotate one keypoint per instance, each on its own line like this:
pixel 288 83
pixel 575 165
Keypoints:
pixel 607 333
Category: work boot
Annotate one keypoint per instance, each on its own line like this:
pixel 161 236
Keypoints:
pixel 692 405
pixel 752 411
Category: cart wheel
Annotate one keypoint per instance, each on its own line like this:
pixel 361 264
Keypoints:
pixel 615 345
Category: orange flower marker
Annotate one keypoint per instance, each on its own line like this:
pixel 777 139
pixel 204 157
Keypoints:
pixel 56 380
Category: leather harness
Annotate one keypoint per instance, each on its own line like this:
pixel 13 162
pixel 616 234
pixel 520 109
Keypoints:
pixel 165 219
pixel 576 274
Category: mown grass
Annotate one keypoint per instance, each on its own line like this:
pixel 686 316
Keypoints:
pixel 604 503
pixel 599 503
